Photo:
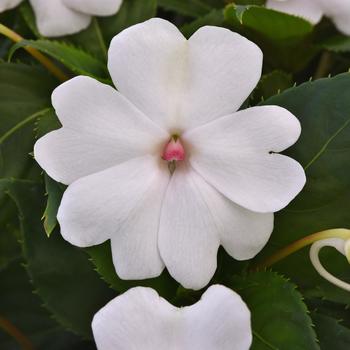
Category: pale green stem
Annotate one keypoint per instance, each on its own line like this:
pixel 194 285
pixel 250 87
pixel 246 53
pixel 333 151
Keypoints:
pixel 48 64
pixel 301 243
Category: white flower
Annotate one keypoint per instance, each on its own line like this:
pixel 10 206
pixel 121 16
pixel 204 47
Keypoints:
pixel 140 319
pixel 63 17
pixel 176 100
pixel 313 10
pixel 8 4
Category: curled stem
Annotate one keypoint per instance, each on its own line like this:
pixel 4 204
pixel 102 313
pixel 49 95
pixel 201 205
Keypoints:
pixel 336 243
pixel 301 243
pixel 48 64
pixel 15 333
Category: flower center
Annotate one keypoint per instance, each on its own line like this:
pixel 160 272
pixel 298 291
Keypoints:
pixel 173 151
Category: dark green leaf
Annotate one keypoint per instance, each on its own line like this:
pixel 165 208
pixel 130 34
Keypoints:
pixel 24 97
pixel 280 319
pixel 213 18
pixel 272 84
pixel 339 43
pixel 78 61
pixel 130 13
pixel 23 309
pixel 192 8
pixel 284 39
pixel 54 192
pixel 62 274
pixel 331 334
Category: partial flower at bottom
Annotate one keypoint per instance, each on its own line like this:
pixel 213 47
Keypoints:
pixel 62 17
pixel 165 167
pixel 141 320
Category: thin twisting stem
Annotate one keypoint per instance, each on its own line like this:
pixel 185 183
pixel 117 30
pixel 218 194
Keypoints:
pixel 301 243
pixel 336 243
pixel 48 64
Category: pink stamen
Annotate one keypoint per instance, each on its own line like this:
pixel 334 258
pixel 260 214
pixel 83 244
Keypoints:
pixel 174 150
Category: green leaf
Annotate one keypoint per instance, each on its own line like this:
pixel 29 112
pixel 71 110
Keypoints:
pixel 9 248
pixel 192 8
pixel 323 108
pixel 284 39
pixel 29 18
pixel 62 274
pixel 54 192
pixel 331 334
pixel 78 61
pixel 272 84
pixel 130 13
pixel 280 319
pixel 23 309
pixel 213 18
pixel 45 123
pixel 24 97
pixel 339 43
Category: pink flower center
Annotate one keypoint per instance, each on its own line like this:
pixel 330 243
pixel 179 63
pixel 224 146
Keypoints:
pixel 174 150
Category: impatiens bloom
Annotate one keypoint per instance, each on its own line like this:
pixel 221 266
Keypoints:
pixel 165 167
pixel 313 10
pixel 63 17
pixel 140 319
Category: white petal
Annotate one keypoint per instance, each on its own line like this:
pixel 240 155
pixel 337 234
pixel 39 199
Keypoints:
pixel 8 4
pixel 54 19
pixel 234 155
pixel 339 12
pixel 94 208
pixel 188 236
pixel 140 319
pixel 220 320
pixel 243 233
pixel 181 84
pixel 94 7
pixel 135 246
pixel 146 65
pixel 311 10
pixel 222 69
pixel 100 129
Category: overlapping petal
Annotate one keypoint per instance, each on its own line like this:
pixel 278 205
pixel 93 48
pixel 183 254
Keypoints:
pixel 236 154
pixel 94 7
pixel 100 129
pixel 181 84
pixel 188 236
pixel 196 219
pixel 140 319
pixel 100 206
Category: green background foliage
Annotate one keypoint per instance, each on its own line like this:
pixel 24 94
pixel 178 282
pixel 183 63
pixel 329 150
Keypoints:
pixel 50 290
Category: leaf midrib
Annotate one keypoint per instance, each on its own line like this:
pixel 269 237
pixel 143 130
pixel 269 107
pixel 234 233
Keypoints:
pixel 21 124
pixel 326 144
